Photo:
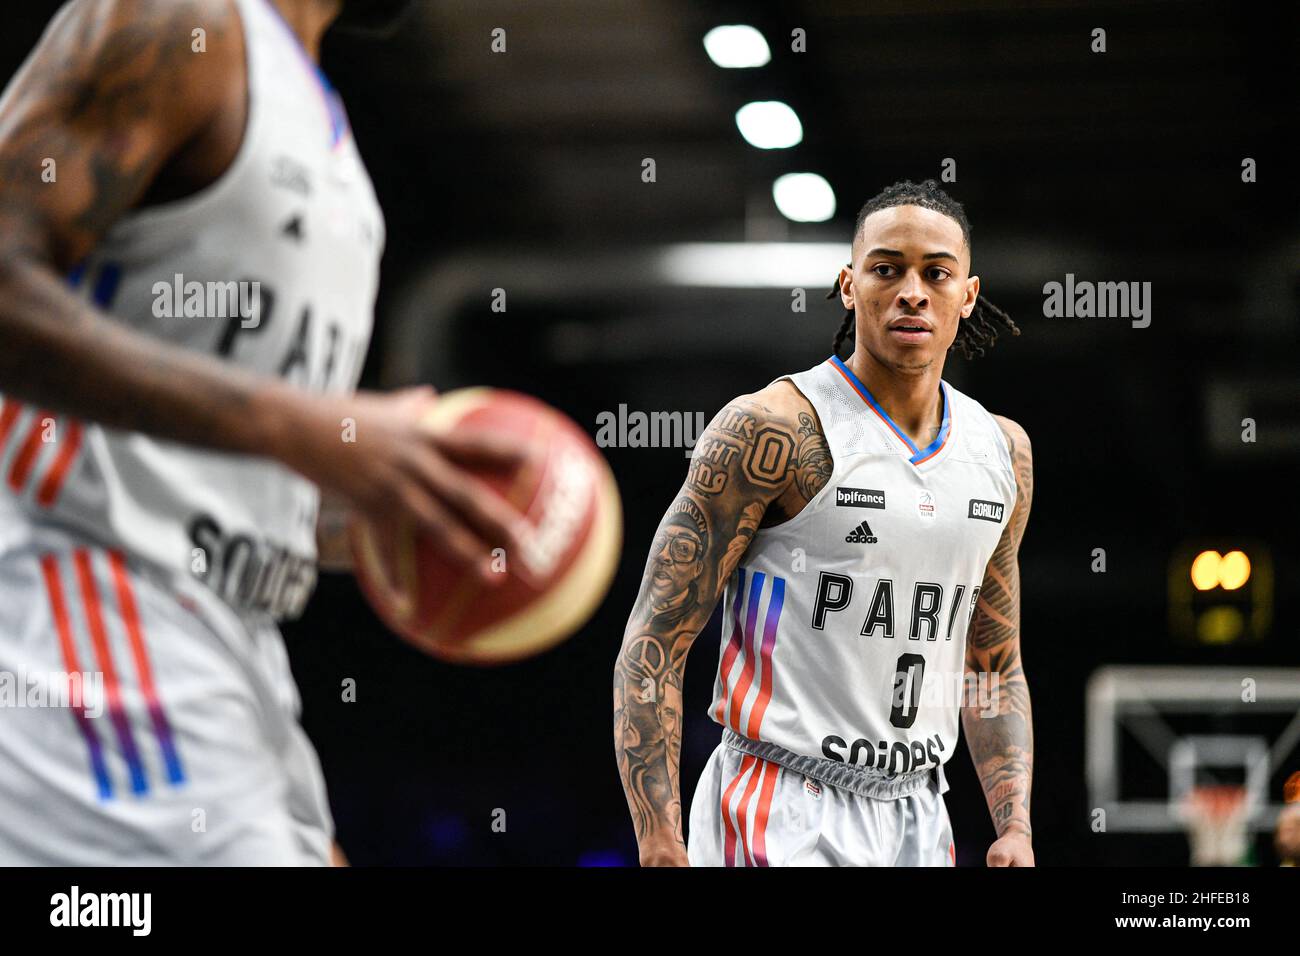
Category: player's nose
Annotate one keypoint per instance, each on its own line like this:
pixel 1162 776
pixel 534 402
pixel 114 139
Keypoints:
pixel 912 293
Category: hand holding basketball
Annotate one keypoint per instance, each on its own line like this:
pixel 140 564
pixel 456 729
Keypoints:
pixel 376 452
pixel 544 586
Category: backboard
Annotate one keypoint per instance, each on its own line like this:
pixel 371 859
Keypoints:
pixel 1155 732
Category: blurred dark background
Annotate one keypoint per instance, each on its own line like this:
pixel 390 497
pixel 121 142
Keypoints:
pixel 522 171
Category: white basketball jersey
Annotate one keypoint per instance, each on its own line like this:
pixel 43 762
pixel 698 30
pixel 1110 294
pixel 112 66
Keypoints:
pixel 273 268
pixel 844 633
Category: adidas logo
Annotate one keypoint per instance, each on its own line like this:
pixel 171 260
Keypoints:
pixel 293 228
pixel 861 535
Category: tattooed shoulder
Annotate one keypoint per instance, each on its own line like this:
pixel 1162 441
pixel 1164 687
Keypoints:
pixel 112 89
pixel 1017 437
pixel 745 442
pixel 772 441
pixel 1022 459
pixel 1022 465
pixel 811 464
pixel 814 465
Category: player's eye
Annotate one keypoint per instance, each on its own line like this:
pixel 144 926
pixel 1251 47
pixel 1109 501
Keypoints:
pixel 888 272
pixel 938 274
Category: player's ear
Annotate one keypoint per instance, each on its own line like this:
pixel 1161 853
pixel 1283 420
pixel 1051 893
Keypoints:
pixel 846 286
pixel 972 293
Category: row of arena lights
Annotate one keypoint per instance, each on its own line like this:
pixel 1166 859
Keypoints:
pixel 771 124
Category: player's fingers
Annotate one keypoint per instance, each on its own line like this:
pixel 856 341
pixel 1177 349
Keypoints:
pixel 420 391
pixel 486 513
pixel 489 514
pixel 445 533
pixel 410 404
pixel 496 452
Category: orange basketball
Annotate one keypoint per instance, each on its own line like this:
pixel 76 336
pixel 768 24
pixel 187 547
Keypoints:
pixel 567 496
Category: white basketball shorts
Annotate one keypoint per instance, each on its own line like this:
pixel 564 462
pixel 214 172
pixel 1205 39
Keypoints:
pixel 749 811
pixel 177 742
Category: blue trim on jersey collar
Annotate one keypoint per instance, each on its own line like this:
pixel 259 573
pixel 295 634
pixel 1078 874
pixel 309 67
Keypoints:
pixel 338 115
pixel 918 454
pixel 333 102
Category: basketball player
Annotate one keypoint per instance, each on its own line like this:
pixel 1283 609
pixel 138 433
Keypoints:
pixel 861 521
pixel 161 462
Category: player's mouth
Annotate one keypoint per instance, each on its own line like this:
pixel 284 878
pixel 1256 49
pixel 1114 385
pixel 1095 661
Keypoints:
pixel 910 329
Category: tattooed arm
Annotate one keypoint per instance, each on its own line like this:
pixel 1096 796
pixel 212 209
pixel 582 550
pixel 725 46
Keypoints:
pixel 760 461
pixel 114 110
pixel 1000 735
pixel 105 114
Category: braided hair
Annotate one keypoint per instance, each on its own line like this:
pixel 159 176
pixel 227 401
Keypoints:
pixel 976 333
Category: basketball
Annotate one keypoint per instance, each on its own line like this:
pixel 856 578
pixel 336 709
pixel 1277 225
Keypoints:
pixel 568 498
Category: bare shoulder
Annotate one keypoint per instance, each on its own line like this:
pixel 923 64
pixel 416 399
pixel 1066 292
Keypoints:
pixel 97 25
pixel 122 60
pixel 113 89
pixel 187 42
pixel 771 440
pixel 784 406
pixel 105 13
pixel 769 416
pixel 784 399
pixel 746 447
pixel 809 464
pixel 1017 437
pixel 778 404
pixel 1022 463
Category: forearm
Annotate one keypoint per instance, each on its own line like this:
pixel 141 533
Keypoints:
pixel 1000 737
pixel 647 742
pixel 999 727
pixel 60 353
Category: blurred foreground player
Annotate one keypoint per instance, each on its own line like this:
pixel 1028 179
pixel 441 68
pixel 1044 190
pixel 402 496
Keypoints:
pixel 860 515
pixel 161 461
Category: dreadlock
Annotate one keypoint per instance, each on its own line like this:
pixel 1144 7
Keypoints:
pixel 976 333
